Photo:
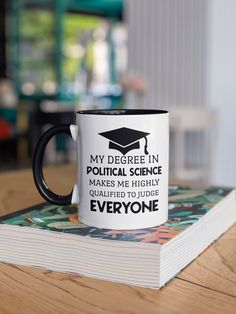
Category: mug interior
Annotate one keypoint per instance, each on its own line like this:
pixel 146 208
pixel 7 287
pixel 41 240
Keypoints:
pixel 122 112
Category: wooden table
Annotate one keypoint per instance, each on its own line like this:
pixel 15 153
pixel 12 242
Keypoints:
pixel 208 285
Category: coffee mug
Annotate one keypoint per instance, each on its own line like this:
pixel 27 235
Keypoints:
pixel 122 166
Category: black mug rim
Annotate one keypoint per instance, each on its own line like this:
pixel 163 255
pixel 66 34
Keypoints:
pixel 122 112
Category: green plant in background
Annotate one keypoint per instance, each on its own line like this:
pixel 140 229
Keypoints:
pixel 37 46
pixel 51 49
pixel 78 43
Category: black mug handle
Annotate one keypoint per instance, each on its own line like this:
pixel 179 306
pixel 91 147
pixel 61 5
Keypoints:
pixel 38 166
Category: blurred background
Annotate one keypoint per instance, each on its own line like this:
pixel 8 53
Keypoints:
pixel 57 57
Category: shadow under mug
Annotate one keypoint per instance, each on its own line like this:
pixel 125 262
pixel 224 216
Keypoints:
pixel 122 167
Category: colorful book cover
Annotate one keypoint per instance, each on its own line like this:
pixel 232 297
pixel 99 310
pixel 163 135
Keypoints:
pixel 186 206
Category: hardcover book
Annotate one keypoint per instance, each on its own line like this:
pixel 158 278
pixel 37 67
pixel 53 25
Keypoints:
pixel 51 236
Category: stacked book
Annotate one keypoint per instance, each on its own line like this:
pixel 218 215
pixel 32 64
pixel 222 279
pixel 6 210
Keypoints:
pixel 51 236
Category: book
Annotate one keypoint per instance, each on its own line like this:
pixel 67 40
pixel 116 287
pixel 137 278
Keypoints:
pixel 51 236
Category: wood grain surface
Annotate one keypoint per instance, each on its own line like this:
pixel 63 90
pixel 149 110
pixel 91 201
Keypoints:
pixel 207 285
pixel 216 267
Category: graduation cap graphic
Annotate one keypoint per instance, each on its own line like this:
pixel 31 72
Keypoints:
pixel 125 139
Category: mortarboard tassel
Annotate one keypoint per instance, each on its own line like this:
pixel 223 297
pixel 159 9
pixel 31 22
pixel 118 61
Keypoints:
pixel 145 147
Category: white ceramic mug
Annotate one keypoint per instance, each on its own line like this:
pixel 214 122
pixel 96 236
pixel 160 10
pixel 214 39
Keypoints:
pixel 122 164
